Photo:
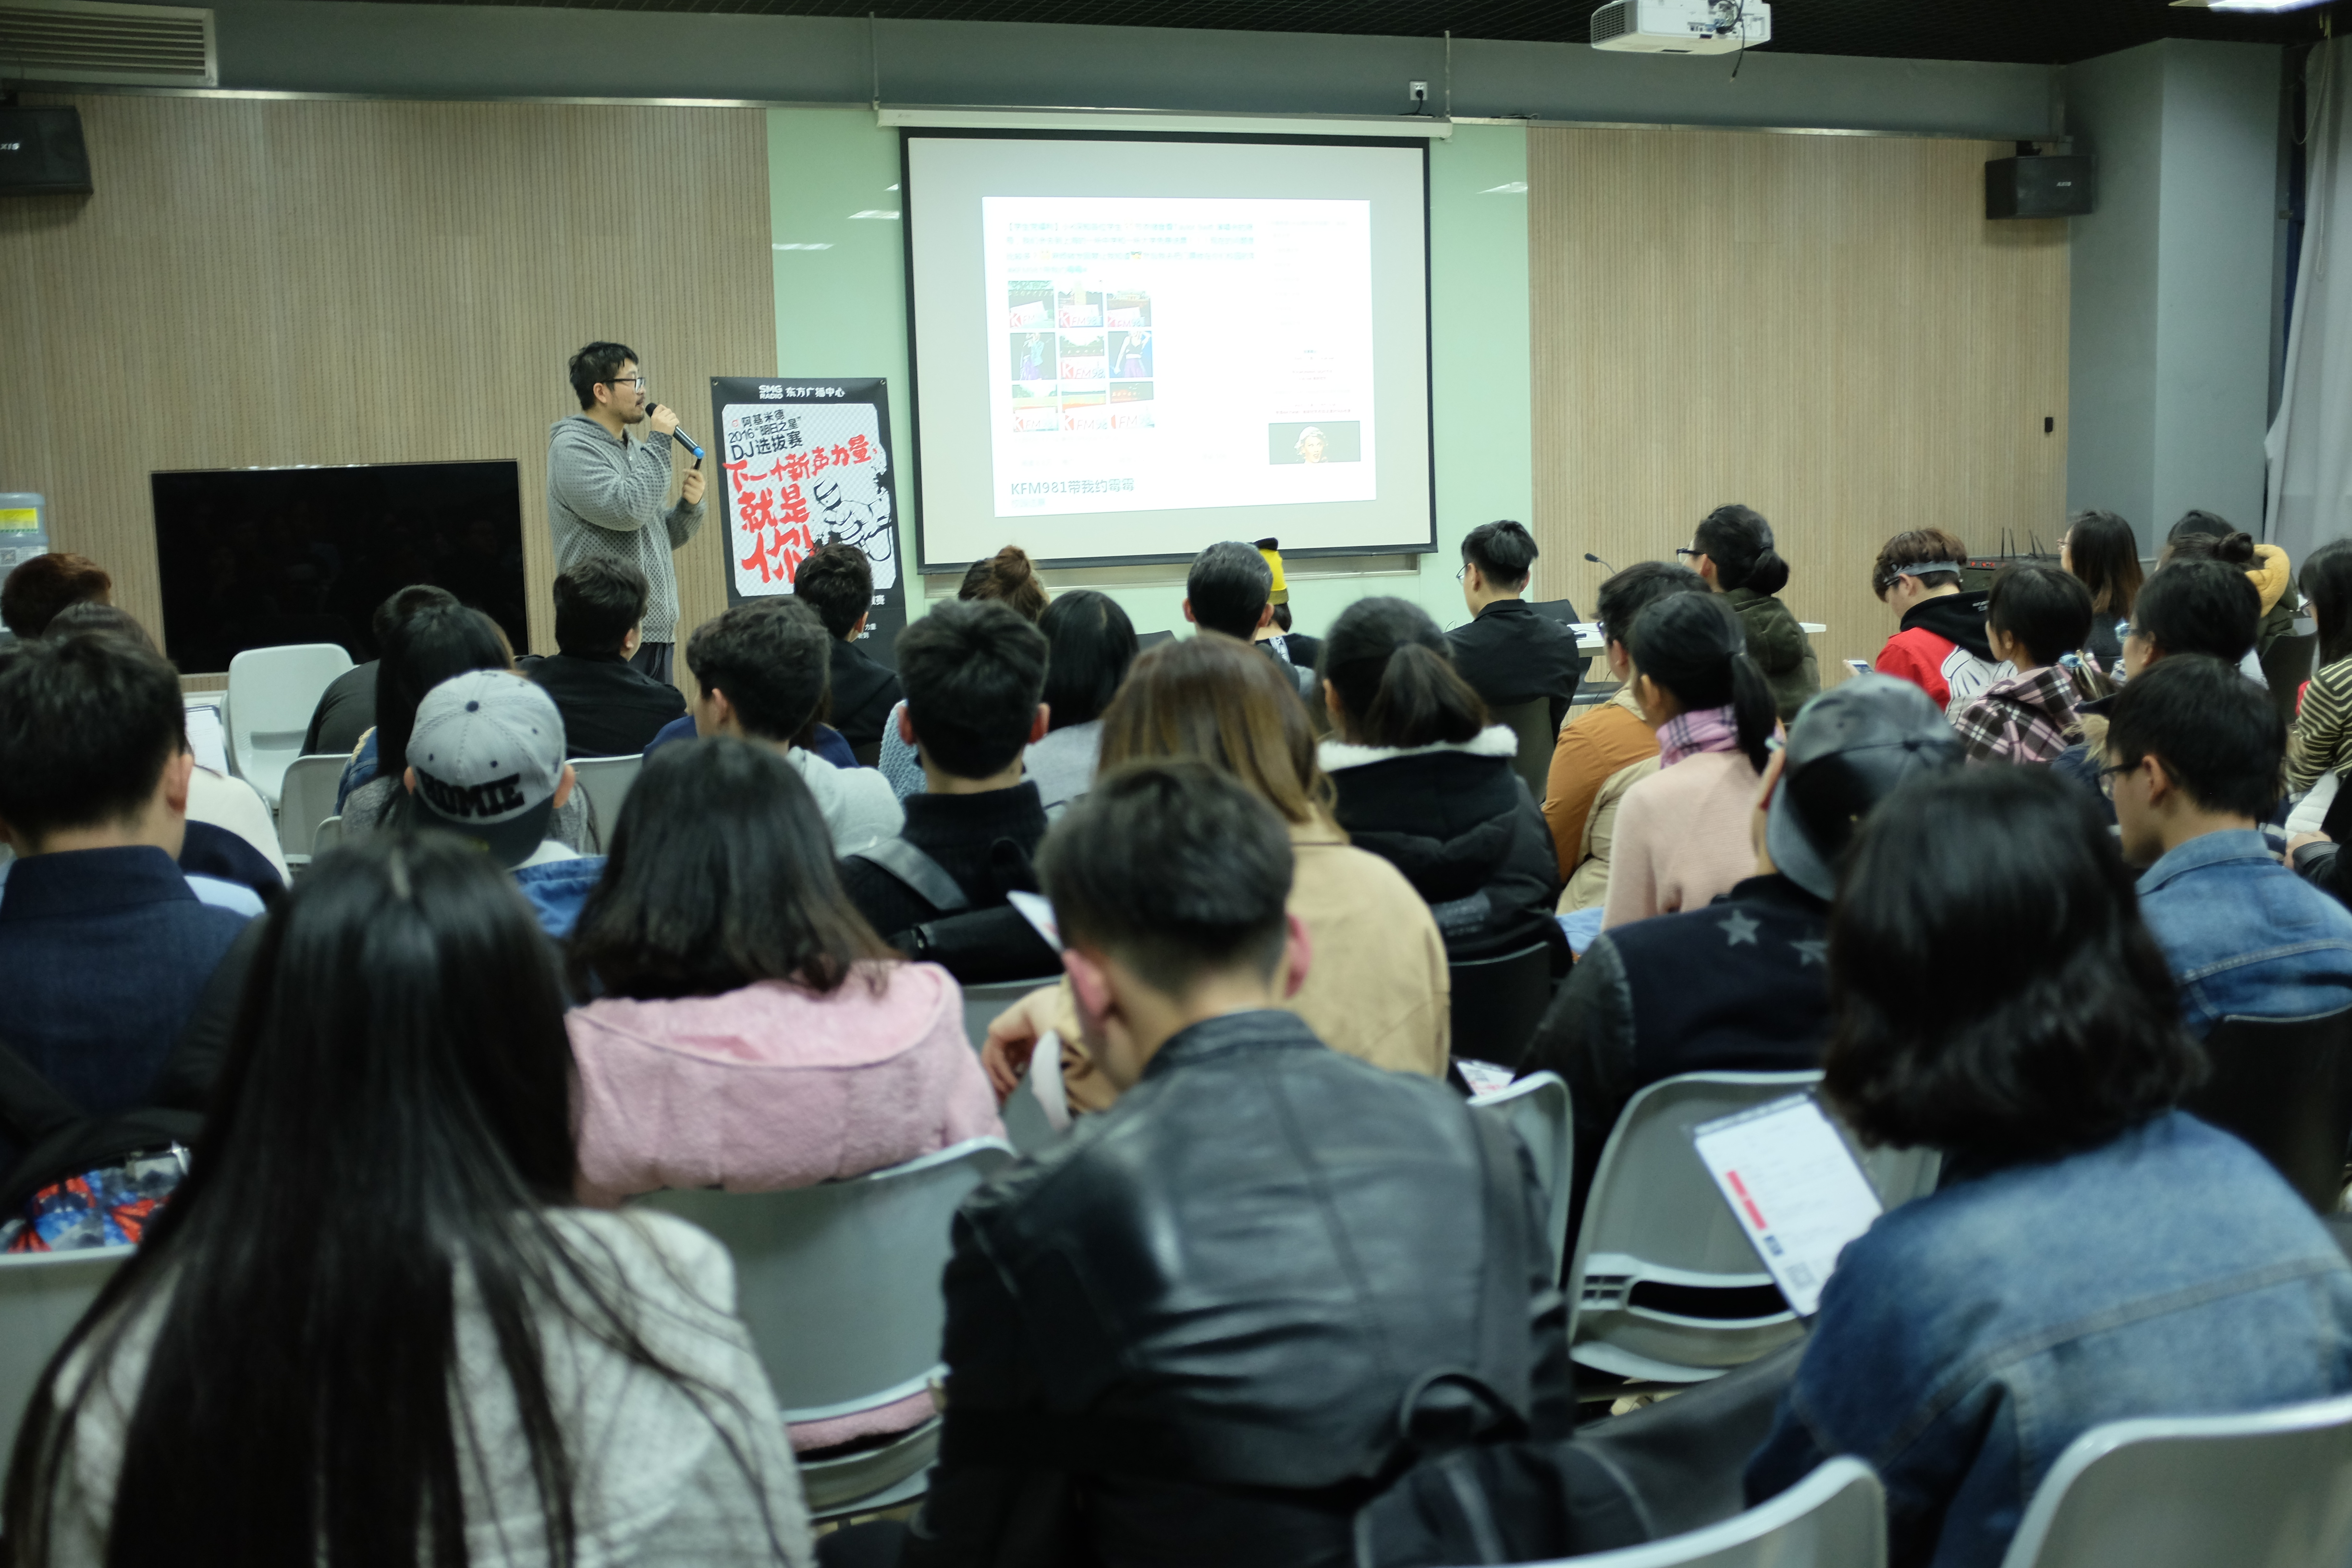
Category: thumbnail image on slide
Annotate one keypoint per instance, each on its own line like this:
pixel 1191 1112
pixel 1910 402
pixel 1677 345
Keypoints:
pixel 1083 359
pixel 1131 355
pixel 1126 310
pixel 1029 304
pixel 1325 441
pixel 1033 356
pixel 1078 308
pixel 1035 407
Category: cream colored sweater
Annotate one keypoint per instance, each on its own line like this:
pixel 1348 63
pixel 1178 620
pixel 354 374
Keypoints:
pixel 1681 838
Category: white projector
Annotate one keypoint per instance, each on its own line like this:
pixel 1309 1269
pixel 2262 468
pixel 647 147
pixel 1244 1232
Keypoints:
pixel 1681 27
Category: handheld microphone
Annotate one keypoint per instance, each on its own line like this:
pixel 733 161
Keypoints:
pixel 680 436
pixel 1591 557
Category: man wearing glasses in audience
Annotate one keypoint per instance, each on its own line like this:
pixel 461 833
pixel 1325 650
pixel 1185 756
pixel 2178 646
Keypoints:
pixel 606 490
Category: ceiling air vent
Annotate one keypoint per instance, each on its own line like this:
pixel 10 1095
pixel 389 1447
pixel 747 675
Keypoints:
pixel 90 41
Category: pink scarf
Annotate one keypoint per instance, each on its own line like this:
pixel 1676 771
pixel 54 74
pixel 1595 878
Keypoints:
pixel 1698 729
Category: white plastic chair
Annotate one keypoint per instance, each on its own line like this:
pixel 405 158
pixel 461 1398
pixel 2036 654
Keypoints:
pixel 306 797
pixel 272 693
pixel 1024 1117
pixel 2271 1488
pixel 1835 1518
pixel 839 1285
pixel 42 1295
pixel 326 836
pixel 605 781
pixel 1654 1216
pixel 1536 1108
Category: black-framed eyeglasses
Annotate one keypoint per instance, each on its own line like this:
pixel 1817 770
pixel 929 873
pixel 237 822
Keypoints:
pixel 619 381
pixel 1462 572
pixel 1691 551
pixel 2108 770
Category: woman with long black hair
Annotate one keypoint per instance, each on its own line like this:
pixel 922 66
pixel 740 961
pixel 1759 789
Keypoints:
pixel 366 1329
pixel 2102 550
pixel 1732 549
pixel 1683 832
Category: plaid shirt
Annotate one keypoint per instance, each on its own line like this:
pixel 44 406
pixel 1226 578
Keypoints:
pixel 2027 718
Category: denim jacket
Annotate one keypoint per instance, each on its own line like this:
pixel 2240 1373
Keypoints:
pixel 2245 936
pixel 1967 1338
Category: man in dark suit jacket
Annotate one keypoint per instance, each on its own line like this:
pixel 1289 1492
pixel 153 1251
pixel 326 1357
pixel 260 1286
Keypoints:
pixel 836 581
pixel 1508 653
pixel 610 707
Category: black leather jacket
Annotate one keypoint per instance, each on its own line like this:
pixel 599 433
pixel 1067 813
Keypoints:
pixel 1185 1334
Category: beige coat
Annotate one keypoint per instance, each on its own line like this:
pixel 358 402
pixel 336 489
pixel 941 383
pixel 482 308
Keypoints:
pixel 1588 885
pixel 1377 987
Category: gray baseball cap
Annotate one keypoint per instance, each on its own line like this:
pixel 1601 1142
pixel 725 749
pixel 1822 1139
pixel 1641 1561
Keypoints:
pixel 488 754
pixel 1847 751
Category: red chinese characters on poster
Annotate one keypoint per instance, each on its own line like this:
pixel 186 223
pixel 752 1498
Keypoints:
pixel 797 476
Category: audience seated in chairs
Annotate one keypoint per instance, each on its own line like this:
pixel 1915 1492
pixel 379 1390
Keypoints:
pixel 2102 550
pixel 836 581
pixel 610 707
pixel 1681 834
pixel 1732 549
pixel 1090 644
pixel 1008 578
pixel 368 1315
pixel 973 674
pixel 1940 644
pixel 2194 753
pixel 1229 589
pixel 2034 616
pixel 1509 654
pixel 32 595
pixel 342 722
pixel 1192 1333
pixel 1425 782
pixel 1742 985
pixel 1379 991
pixel 759 674
pixel 1607 749
pixel 750 1031
pixel 2093 1252
pixel 106 947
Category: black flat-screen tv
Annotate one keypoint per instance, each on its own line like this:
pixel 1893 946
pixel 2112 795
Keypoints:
pixel 262 557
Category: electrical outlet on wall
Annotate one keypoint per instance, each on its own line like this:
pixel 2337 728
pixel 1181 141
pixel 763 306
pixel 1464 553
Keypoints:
pixel 1418 91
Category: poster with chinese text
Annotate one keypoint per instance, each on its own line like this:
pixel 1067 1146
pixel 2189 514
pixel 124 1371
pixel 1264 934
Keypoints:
pixel 803 463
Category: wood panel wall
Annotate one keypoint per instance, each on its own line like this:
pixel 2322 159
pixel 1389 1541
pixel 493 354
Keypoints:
pixel 260 283
pixel 1825 328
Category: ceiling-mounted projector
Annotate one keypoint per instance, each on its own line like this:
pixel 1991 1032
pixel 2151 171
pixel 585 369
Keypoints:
pixel 1681 27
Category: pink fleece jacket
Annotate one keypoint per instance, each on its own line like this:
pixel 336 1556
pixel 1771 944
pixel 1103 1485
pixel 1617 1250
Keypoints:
pixel 771 1087
pixel 1681 838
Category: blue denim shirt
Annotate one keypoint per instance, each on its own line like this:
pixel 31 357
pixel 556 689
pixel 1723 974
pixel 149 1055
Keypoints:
pixel 1967 1338
pixel 556 889
pixel 2245 936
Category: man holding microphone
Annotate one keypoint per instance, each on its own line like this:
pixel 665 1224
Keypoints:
pixel 605 492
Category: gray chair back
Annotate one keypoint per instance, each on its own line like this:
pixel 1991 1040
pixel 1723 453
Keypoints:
pixel 1531 722
pixel 1536 1108
pixel 1835 1518
pixel 272 693
pixel 605 781
pixel 2271 1488
pixel 42 1295
pixel 306 799
pixel 1663 1283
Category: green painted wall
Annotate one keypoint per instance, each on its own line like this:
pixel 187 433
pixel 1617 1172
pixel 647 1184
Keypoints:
pixel 842 311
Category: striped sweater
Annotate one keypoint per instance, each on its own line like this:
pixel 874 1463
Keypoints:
pixel 2322 742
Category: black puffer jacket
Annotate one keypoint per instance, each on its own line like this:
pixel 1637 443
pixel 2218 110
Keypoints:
pixel 1460 826
pixel 1184 1335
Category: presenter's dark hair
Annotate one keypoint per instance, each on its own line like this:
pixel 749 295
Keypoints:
pixel 2326 582
pixel 1503 552
pixel 772 658
pixel 721 874
pixel 2219 735
pixel 836 581
pixel 2045 607
pixel 974 675
pixel 2079 1040
pixel 1628 593
pixel 1694 648
pixel 1229 587
pixel 1091 644
pixel 401 603
pixel 2106 555
pixel 1918 547
pixel 1222 703
pixel 88 722
pixel 394 1116
pixel 1395 679
pixel 33 594
pixel 1009 578
pixel 437 642
pixel 597 362
pixel 2198 606
pixel 1739 542
pixel 1175 867
pixel 597 604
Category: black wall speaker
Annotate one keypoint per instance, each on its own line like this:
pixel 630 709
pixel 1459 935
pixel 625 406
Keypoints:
pixel 2048 186
pixel 41 153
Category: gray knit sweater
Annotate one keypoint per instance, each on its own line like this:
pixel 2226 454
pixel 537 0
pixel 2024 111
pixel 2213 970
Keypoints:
pixel 604 498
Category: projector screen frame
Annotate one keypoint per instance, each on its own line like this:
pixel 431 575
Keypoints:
pixel 906 135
